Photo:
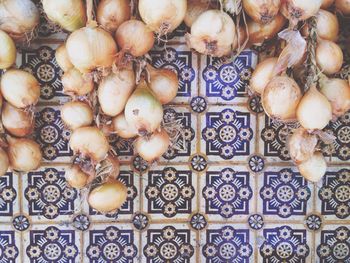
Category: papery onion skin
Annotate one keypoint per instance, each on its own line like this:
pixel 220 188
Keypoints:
pixel 75 177
pixel 76 84
pixel 7 51
pixel 20 88
pixel 76 114
pixel 299 10
pixel 115 90
pixel 194 10
pixel 329 57
pixel 62 58
pixel 261 11
pixel 314 168
pixel 281 97
pixel 4 162
pixel 301 145
pixel 241 38
pixel 17 122
pixel 262 75
pixel 113 161
pixel 1 99
pixel 326 4
pixel 122 128
pixel 108 197
pixel 343 6
pixel 135 38
pixel 112 13
pixel 152 148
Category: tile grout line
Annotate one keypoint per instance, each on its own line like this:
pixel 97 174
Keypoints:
pixel 140 250
pixel 20 186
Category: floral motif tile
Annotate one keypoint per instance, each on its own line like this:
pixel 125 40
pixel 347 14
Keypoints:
pixel 9 196
pixel 9 245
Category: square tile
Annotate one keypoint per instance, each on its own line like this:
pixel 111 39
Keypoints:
pixel 10 245
pixel 9 196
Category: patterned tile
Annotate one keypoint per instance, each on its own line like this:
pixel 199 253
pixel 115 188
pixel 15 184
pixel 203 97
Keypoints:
pixel 9 200
pixel 9 245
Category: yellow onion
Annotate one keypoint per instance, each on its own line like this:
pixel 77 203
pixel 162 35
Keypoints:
pixel 24 154
pixel 262 11
pixel 115 90
pixel 281 97
pixel 76 83
pixel 163 16
pixel 4 162
pixel 7 51
pixel 112 13
pixel 314 168
pixel 153 147
pixel 135 38
pixel 212 33
pixel 314 110
pixel 122 128
pixel 298 10
pixel 302 145
pixel 91 48
pixel 75 177
pixel 143 111
pixel 76 114
pixel 326 4
pixel 68 14
pixel 89 142
pixel 343 6
pixel 337 91
pixel 62 58
pixel 329 57
pixel 327 25
pixel 20 88
pixel 262 75
pixel 194 9
pixel 164 83
pixel 17 122
pixel 108 197
pixel 18 18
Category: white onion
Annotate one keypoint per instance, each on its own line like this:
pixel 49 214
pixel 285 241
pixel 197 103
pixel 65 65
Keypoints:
pixel 343 6
pixel 314 168
pixel 298 10
pixel 4 162
pixel 75 177
pixel 194 9
pixel 76 84
pixel 62 58
pixel 122 128
pixel 301 145
pixel 327 25
pixel 329 57
pixel 326 4
pixel 7 51
pixel 261 11
pixel 262 75
pixel 17 122
pixel 76 114
pixel 20 88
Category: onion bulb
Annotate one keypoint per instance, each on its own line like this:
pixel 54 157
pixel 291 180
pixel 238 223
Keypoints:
pixel 143 111
pixel 108 197
pixel 122 128
pixel 343 6
pixel 20 88
pixel 163 16
pixel 76 83
pixel 91 48
pixel 337 91
pixel 90 142
pixel 62 58
pixel 298 10
pixel 212 33
pixel 314 110
pixel 262 11
pixel 164 83
pixel 17 122
pixel 262 75
pixel 4 162
pixel 7 51
pixel 327 25
pixel 134 38
pixel 115 90
pixel 326 4
pixel 314 168
pixel 153 147
pixel 329 57
pixel 301 145
pixel 194 10
pixel 68 14
pixel 18 18
pixel 281 97
pixel 24 154
pixel 112 13
pixel 76 114
pixel 75 177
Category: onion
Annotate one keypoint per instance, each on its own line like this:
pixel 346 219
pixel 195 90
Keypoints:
pixel 75 83
pixel 17 122
pixel 326 4
pixel 301 145
pixel 108 197
pixel 262 11
pixel 91 48
pixel 76 114
pixel 164 84
pixel 262 75
pixel 18 18
pixel 281 97
pixel 112 13
pixel 314 168
pixel 153 147
pixel 135 38
pixel 20 88
pixel 298 10
pixel 7 51
pixel 68 14
pixel 258 33
pixel 194 9
pixel 314 110
pixel 343 6
pixel 337 91
pixel 212 33
pixel 75 177
pixel 329 57
pixel 24 154
pixel 122 128
pixel 62 58
pixel 4 162
pixel 90 142
pixel 0 101
pixel 163 16
pixel 115 90
pixel 143 110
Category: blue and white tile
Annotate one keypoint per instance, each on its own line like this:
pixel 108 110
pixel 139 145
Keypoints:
pixel 10 245
pixel 9 196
